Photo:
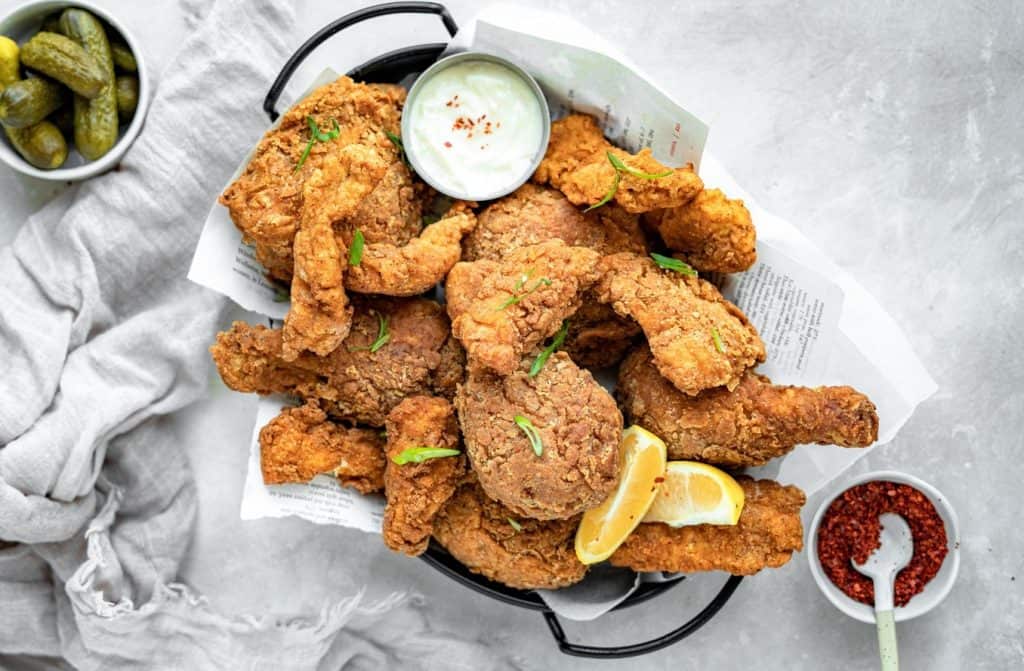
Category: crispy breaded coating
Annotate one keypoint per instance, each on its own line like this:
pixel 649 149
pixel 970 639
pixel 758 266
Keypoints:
pixel 579 427
pixel 712 232
pixel 265 201
pixel 391 213
pixel 577 164
pixel 534 214
pixel 751 425
pixel 302 442
pixel 412 269
pixel 479 533
pixel 699 339
pixel 416 492
pixel 518 302
pixel 768 533
pixel 319 317
pixel 352 382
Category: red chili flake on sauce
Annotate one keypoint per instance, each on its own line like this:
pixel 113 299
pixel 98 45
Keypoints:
pixel 851 530
pixel 448 145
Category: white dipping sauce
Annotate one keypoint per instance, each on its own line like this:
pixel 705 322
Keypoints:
pixel 475 129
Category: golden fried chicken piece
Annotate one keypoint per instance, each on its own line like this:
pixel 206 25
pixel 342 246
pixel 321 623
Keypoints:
pixel 577 164
pixel 493 541
pixel 756 422
pixel 391 213
pixel 575 419
pixel 319 317
pixel 519 301
pixel 534 214
pixel 352 382
pixel 302 442
pixel 768 533
pixel 416 492
pixel 265 202
pixel 392 270
pixel 714 233
pixel 699 339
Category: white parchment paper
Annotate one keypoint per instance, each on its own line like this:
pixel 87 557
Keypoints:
pixel 819 325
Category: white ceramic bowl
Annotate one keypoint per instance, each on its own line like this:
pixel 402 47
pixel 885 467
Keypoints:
pixel 936 589
pixel 24 22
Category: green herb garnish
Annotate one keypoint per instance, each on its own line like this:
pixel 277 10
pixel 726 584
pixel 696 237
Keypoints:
pixel 620 168
pixel 668 263
pixel 397 141
pixel 531 433
pixel 719 345
pixel 417 455
pixel 383 336
pixel 355 252
pixel 281 295
pixel 515 525
pixel 546 353
pixel 317 135
pixel 520 284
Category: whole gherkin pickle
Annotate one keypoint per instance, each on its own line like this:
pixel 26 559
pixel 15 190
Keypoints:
pixel 123 57
pixel 42 144
pixel 65 60
pixel 127 96
pixel 29 101
pixel 96 118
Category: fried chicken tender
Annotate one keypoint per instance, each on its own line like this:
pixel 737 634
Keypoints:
pixel 352 382
pixel 751 425
pixel 681 317
pixel 391 270
pixel 578 424
pixel 518 302
pixel 416 492
pixel 265 202
pixel 577 164
pixel 714 233
pixel 302 442
pixel 320 317
pixel 535 214
pixel 768 533
pixel 479 533
pixel 391 214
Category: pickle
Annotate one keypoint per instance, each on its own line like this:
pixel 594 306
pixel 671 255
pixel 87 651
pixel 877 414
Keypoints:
pixel 96 118
pixel 29 101
pixel 42 145
pixel 123 57
pixel 127 96
pixel 66 61
pixel 9 64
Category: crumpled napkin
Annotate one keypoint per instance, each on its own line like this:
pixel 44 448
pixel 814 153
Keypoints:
pixel 102 336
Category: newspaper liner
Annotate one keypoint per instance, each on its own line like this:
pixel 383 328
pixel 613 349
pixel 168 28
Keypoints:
pixel 819 325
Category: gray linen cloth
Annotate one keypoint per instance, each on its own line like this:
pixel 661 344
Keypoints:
pixel 101 337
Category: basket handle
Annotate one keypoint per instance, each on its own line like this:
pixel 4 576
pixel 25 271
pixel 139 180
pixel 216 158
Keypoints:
pixel 344 22
pixel 681 632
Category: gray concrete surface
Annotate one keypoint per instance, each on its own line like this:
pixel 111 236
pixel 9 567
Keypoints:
pixel 891 134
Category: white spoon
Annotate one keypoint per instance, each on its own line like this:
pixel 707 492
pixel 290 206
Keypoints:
pixel 882 566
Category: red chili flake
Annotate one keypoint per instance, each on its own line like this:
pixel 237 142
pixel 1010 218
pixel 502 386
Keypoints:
pixel 660 479
pixel 448 144
pixel 851 529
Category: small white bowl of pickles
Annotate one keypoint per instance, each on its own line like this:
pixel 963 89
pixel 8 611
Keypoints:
pixel 74 90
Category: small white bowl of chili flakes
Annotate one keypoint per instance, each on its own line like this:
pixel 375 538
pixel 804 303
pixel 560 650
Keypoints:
pixel 846 527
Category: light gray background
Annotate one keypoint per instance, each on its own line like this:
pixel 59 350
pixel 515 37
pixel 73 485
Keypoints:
pixel 892 135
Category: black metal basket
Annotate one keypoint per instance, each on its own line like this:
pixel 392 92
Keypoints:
pixel 393 67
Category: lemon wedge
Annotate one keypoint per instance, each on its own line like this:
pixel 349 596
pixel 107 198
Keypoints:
pixel 695 493
pixel 641 466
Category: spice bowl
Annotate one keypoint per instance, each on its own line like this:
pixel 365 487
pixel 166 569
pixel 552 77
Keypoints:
pixel 934 591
